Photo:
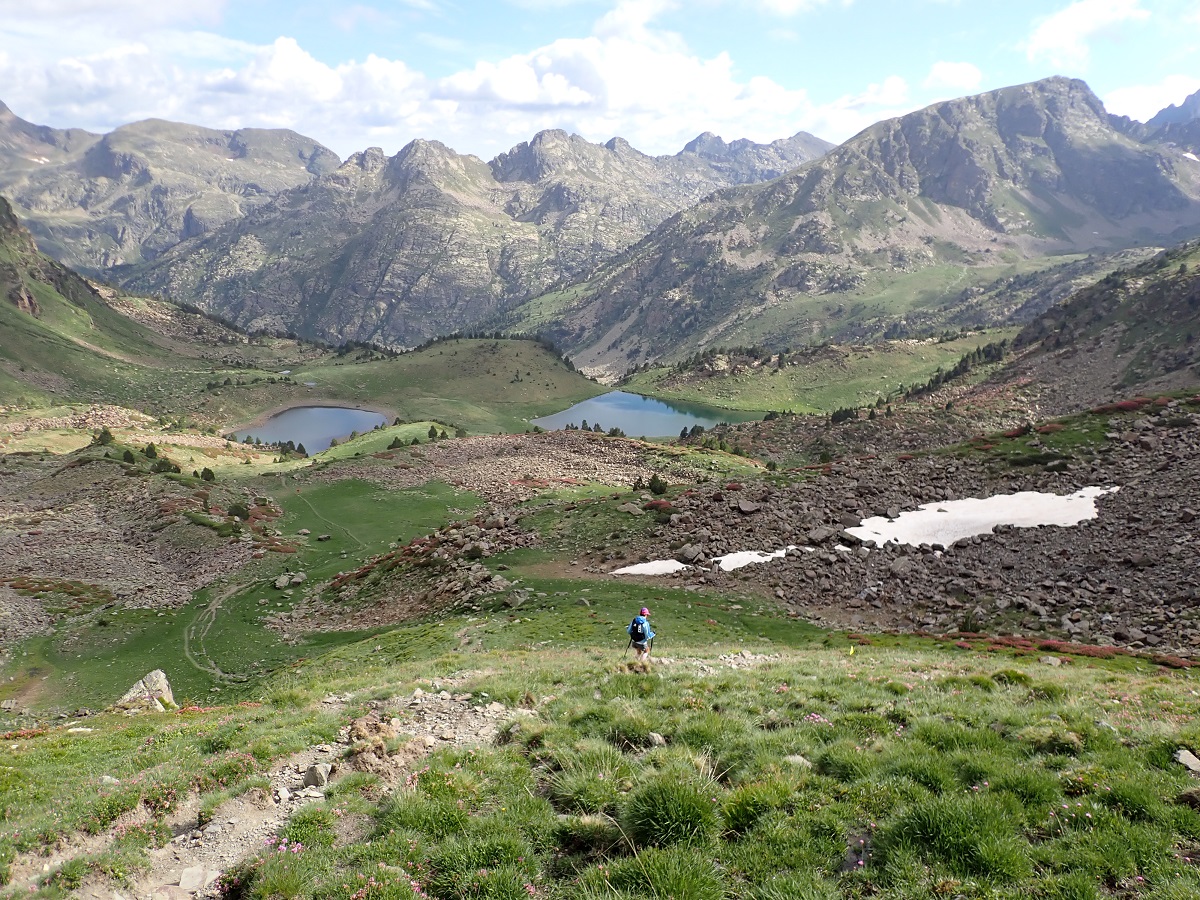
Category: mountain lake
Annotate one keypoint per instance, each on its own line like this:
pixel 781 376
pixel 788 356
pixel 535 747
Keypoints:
pixel 640 416
pixel 316 427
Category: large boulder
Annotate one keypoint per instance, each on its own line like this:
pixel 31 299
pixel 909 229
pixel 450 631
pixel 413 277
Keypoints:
pixel 153 692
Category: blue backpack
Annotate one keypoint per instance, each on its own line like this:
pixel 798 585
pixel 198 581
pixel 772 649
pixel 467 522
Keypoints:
pixel 639 630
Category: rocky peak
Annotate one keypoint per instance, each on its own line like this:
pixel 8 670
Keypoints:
pixel 708 146
pixel 8 219
pixel 550 154
pixel 370 160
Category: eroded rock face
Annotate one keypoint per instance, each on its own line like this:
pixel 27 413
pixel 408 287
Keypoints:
pixel 397 250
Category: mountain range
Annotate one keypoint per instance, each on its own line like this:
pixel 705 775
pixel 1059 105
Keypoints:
pixel 980 210
pixel 397 250
pixel 899 218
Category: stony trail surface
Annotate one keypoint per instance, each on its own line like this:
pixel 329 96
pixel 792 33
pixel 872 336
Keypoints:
pixel 190 863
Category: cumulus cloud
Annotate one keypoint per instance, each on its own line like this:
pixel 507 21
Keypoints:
pixel 1142 101
pixel 595 85
pixel 1062 39
pixel 960 77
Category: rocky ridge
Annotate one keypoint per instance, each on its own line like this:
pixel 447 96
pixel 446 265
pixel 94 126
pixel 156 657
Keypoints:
pixel 1026 170
pixel 429 241
pixel 95 201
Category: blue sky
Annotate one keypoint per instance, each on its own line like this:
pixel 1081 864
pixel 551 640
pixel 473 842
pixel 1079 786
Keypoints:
pixel 482 76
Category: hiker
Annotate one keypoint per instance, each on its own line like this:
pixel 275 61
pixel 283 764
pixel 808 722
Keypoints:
pixel 640 635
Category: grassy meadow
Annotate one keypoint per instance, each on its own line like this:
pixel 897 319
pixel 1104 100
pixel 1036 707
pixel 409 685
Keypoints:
pixel 757 758
pixel 816 381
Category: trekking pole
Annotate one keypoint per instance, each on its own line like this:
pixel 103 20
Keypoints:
pixel 627 646
pixel 650 647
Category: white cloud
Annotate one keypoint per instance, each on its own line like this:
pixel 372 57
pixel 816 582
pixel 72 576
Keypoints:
pixel 961 77
pixel 1142 101
pixel 1062 39
pixel 594 85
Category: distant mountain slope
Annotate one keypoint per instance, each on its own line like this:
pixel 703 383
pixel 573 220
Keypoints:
pixel 95 201
pixel 1187 111
pixel 901 217
pixel 1176 126
pixel 397 250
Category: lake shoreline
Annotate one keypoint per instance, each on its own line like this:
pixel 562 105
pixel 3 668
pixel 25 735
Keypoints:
pixel 261 419
pixel 641 414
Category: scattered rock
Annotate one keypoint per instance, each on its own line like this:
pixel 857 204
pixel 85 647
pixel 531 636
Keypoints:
pixel 317 775
pixel 656 739
pixel 196 878
pixel 1188 760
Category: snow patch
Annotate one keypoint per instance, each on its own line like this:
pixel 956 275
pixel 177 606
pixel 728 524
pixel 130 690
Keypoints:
pixel 655 567
pixel 1192 156
pixel 949 521
pixel 731 561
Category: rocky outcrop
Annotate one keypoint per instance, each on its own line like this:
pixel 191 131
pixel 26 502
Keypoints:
pixel 150 693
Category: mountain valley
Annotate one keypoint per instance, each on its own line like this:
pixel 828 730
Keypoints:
pixel 398 667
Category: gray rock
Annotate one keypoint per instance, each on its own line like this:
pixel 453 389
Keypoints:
pixel 317 775
pixel 632 508
pixel 1050 661
pixel 796 759
pixel 151 692
pixel 901 566
pixel 1188 760
pixel 299 578
pixel 324 537
pixel 746 507
pixel 283 581
pixel 195 878
pixel 656 739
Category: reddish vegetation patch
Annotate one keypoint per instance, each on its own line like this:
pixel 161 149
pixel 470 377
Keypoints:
pixel 658 506
pixel 1092 650
pixel 382 455
pixel 1171 662
pixel 1162 401
pixel 963 645
pixel 1017 432
pixel 1122 406
pixel 733 486
pixel 905 457
pixel 1050 428
pixel 22 734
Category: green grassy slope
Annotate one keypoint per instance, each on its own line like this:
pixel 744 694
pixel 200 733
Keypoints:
pixel 813 380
